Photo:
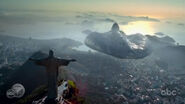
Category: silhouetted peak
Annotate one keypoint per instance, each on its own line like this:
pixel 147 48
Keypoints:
pixel 115 27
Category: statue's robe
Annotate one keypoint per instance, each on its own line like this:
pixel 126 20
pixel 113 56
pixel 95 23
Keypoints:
pixel 52 65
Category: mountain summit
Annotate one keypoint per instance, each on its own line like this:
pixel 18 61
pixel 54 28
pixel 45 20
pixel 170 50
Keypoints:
pixel 115 27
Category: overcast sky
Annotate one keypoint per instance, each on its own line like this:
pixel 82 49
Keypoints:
pixel 67 18
pixel 156 8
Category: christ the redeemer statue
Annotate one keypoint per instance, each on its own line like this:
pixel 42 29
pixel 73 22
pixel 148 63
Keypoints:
pixel 52 65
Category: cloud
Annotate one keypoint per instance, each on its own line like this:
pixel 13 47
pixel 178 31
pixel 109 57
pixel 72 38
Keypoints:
pixel 31 17
pixel 13 18
pixel 70 23
pixel 102 17
pixel 42 23
pixel 109 20
pixel 87 23
pixel 85 15
pixel 147 19
pixel 181 24
pixel 2 31
pixel 159 34
pixel 168 22
pixel 123 23
pixel 28 17
pixel 135 18
pixel 79 16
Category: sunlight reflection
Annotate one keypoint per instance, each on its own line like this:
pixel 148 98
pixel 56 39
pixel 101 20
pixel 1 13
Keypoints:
pixel 143 27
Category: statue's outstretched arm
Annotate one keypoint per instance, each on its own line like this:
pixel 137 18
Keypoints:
pixel 65 62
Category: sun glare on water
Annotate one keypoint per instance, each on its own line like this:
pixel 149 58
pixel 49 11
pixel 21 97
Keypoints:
pixel 143 27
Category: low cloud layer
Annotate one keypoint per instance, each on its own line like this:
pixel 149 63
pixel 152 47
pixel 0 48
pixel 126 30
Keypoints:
pixel 181 24
pixel 102 17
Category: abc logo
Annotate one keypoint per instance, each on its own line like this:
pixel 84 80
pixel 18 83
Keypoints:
pixel 168 92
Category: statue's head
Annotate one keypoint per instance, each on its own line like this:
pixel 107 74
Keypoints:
pixel 51 53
